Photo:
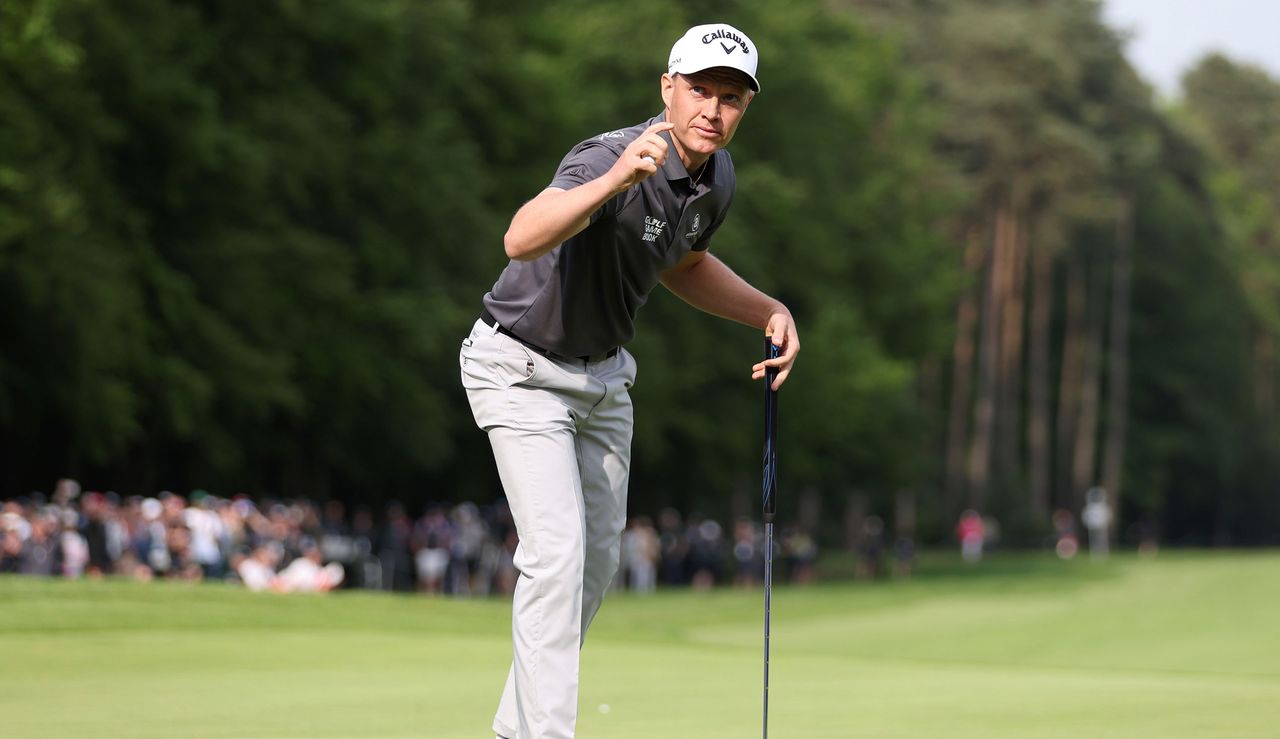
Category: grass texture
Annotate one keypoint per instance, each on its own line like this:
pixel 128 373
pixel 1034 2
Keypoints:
pixel 1183 645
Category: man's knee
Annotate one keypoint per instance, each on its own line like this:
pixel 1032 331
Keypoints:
pixel 559 559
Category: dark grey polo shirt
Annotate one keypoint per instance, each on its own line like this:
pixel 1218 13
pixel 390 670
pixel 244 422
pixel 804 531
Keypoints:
pixel 581 297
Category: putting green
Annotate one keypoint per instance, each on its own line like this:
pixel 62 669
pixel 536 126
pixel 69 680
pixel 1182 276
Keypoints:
pixel 1185 645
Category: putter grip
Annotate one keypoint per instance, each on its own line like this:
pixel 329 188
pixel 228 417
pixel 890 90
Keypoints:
pixel 770 492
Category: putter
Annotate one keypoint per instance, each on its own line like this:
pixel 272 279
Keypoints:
pixel 770 502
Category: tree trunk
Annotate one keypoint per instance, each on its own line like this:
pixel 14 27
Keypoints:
pixel 904 514
pixel 1069 380
pixel 1038 456
pixel 979 467
pixel 962 373
pixel 809 511
pixel 1013 326
pixel 855 513
pixel 1264 388
pixel 1085 454
pixel 1118 362
pixel 742 498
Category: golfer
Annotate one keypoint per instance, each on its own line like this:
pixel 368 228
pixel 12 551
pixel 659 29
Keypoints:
pixel 545 367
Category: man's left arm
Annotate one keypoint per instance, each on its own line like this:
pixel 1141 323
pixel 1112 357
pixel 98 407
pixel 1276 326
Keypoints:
pixel 706 283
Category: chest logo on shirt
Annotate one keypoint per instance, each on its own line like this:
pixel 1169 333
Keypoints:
pixel 653 228
pixel 693 228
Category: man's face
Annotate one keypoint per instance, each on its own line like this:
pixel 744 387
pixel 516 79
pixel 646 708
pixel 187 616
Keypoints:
pixel 705 107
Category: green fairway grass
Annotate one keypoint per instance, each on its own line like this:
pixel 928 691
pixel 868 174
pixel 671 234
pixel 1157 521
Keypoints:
pixel 1183 645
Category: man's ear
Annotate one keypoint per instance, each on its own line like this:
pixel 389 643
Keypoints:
pixel 668 88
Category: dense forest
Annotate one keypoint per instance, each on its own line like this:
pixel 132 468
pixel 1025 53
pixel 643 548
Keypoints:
pixel 241 242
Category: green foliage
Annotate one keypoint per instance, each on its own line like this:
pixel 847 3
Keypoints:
pixel 239 243
pixel 245 272
pixel 833 216
pixel 1233 111
pixel 268 226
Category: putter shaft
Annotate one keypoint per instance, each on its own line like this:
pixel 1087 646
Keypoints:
pixel 770 499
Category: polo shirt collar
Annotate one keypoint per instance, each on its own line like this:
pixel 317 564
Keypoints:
pixel 674 169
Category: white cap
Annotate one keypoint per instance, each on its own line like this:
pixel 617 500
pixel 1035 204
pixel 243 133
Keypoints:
pixel 714 45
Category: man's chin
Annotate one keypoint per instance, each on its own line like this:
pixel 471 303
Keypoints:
pixel 704 145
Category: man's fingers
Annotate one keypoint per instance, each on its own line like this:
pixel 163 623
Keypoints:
pixel 651 146
pixel 781 331
pixel 781 377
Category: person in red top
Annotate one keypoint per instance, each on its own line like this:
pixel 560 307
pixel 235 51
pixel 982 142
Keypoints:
pixel 972 533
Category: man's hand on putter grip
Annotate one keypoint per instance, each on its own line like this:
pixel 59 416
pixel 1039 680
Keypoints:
pixel 641 159
pixel 782 327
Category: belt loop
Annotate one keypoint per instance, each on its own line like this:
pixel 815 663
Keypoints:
pixel 489 321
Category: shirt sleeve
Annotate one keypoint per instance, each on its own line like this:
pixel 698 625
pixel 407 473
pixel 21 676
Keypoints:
pixel 586 162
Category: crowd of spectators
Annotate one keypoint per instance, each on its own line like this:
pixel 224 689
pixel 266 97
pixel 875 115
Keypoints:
pixel 288 545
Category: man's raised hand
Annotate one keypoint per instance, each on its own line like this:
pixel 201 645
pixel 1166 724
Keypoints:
pixel 642 158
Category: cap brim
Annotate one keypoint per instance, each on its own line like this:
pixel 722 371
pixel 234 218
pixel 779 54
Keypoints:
pixel 752 82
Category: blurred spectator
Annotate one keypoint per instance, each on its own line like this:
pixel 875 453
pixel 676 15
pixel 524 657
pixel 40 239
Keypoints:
pixel 65 491
pixel 640 554
pixel 10 551
pixel 748 554
pixel 368 568
pixel 93 530
pixel 305 574
pixel 705 538
pixel 207 531
pixel 870 546
pixel 1096 517
pixel 904 556
pixel 469 534
pixel 308 573
pixel 674 548
pixel 432 542
pixel 800 552
pixel 182 563
pixel 493 557
pixel 990 533
pixel 971 531
pixel 299 545
pixel 394 550
pixel 257 570
pixel 1066 541
pixel 334 522
pixel 40 553
pixel 72 546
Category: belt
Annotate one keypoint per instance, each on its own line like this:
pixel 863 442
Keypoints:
pixel 492 322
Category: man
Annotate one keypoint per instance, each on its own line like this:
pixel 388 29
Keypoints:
pixel 545 369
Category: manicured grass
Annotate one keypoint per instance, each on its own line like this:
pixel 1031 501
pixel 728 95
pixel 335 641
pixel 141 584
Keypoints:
pixel 1185 645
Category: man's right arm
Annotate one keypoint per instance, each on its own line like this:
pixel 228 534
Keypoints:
pixel 555 215
pixel 552 217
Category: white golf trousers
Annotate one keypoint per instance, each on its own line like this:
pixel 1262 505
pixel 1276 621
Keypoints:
pixel 561 436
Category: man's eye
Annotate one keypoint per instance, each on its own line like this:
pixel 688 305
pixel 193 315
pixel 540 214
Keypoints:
pixel 699 90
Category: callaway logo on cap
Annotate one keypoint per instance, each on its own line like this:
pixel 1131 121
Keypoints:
pixel 714 45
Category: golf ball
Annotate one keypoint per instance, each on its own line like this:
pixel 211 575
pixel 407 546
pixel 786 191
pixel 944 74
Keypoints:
pixel 603 708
